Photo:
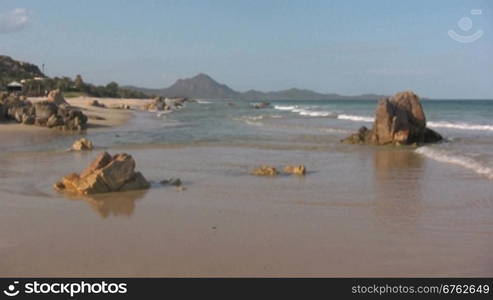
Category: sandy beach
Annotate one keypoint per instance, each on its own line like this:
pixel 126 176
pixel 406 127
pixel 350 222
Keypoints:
pixel 403 215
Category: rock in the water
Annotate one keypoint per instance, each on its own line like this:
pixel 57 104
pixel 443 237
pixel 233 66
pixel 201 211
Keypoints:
pixel 265 171
pixel 260 105
pixel 398 120
pixel 165 104
pixel 297 170
pixel 82 144
pixel 105 174
pixel 172 181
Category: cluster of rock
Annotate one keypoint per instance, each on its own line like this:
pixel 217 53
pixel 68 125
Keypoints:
pixel 54 112
pixel 105 174
pixel 164 104
pixel 272 171
pixel 399 120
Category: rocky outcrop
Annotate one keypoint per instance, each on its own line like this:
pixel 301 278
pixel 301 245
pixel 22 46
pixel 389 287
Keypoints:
pixel 56 96
pixel 296 170
pixel 82 144
pixel 53 113
pixel 105 174
pixel 399 120
pixel 165 104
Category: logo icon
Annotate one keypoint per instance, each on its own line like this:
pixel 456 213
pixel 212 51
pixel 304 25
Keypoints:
pixel 10 291
pixel 465 24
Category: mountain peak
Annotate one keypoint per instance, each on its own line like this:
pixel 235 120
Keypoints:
pixel 202 76
pixel 205 87
pixel 199 86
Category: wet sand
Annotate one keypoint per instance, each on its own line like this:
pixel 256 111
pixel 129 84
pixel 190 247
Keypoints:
pixel 360 211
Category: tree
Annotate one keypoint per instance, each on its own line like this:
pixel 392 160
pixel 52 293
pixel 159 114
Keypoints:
pixel 112 89
pixel 79 83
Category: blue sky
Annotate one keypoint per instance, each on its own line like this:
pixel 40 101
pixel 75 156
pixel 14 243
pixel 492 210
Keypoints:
pixel 347 47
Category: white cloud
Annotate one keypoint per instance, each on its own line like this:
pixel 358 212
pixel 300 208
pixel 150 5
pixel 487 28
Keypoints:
pixel 14 20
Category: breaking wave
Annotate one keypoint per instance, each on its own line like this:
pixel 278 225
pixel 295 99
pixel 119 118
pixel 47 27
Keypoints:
pixel 445 156
pixel 305 111
pixel 463 126
pixel 355 118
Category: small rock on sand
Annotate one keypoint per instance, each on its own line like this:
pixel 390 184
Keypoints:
pixel 105 174
pixel 265 171
pixel 297 170
pixel 172 181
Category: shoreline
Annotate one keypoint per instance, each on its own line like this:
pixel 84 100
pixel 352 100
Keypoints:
pixel 98 117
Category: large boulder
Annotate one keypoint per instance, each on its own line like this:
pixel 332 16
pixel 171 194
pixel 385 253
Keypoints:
pixel 19 110
pixel 72 118
pixel 56 96
pixel 105 174
pixel 44 111
pixel 398 120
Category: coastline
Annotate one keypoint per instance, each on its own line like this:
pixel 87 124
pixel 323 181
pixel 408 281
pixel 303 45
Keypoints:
pixel 98 117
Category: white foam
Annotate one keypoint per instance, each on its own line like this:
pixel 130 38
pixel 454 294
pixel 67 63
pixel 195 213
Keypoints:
pixel 355 118
pixel 203 102
pixel 284 107
pixel 304 111
pixel 463 126
pixel 314 113
pixel 459 160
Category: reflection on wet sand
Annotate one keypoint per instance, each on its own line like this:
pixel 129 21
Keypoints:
pixel 389 162
pixel 398 182
pixel 115 204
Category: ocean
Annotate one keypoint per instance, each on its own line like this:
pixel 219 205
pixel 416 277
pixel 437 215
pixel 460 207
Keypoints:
pixel 466 125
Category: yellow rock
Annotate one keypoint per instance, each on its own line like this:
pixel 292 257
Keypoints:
pixel 82 145
pixel 297 170
pixel 265 171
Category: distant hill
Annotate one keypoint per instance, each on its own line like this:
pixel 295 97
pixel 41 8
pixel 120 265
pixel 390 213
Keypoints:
pixel 11 70
pixel 199 86
pixel 203 86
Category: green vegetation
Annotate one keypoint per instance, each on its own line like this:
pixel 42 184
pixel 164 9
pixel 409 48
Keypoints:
pixel 37 84
pixel 78 87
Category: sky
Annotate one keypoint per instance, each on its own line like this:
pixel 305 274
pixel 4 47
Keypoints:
pixel 346 47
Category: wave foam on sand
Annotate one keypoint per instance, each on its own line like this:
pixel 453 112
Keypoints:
pixel 445 156
pixel 432 124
